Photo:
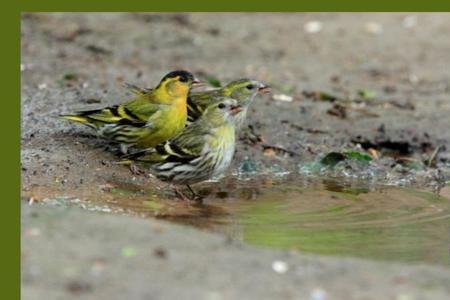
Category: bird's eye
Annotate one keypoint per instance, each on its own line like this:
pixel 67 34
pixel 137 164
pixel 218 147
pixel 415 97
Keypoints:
pixel 250 87
pixel 183 79
pixel 221 106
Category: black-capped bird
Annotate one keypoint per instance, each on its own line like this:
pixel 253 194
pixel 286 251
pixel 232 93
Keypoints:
pixel 243 90
pixel 146 120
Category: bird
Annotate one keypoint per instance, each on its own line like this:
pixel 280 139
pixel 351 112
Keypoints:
pixel 146 120
pixel 203 150
pixel 243 90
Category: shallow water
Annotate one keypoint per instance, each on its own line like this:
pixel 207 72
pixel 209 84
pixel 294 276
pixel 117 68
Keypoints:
pixel 329 216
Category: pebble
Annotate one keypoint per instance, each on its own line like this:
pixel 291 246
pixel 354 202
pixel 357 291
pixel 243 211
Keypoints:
pixel 374 28
pixel 409 22
pixel 283 97
pixel 313 27
pixel 34 231
pixel 280 267
pixel 42 86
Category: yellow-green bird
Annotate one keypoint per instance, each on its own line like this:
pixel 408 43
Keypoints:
pixel 146 120
pixel 203 150
pixel 243 90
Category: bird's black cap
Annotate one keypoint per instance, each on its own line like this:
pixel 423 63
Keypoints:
pixel 185 76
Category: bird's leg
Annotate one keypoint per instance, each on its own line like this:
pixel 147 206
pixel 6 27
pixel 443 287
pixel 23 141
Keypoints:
pixel 195 196
pixel 135 170
pixel 181 195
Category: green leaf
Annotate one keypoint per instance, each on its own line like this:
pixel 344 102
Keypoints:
pixel 128 252
pixel 413 165
pixel 357 156
pixel 332 159
pixel 327 97
pixel 213 81
pixel 367 94
pixel 70 76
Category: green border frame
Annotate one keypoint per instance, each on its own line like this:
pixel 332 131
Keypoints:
pixel 10 127
pixel 248 5
pixel 10 151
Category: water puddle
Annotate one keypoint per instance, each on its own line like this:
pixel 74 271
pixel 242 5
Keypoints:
pixel 329 216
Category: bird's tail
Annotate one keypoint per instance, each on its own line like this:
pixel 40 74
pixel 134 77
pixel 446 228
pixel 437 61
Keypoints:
pixel 80 119
pixel 149 155
pixel 74 118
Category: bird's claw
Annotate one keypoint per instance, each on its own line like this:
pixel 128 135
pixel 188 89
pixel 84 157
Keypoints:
pixel 135 170
pixel 193 198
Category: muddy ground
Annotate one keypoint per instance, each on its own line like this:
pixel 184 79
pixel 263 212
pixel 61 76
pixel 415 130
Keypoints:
pixel 78 61
pixel 375 83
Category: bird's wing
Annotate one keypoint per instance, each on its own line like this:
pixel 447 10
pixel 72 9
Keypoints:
pixel 183 148
pixel 137 90
pixel 189 142
pixel 112 114
pixel 141 109
pixel 137 112
pixel 197 102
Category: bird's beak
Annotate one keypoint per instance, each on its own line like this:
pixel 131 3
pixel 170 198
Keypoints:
pixel 264 89
pixel 196 82
pixel 235 109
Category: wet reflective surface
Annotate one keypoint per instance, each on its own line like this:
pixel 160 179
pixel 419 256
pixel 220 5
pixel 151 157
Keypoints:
pixel 324 217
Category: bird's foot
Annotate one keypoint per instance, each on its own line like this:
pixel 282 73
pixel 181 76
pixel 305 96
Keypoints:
pixel 194 197
pixel 181 196
pixel 135 170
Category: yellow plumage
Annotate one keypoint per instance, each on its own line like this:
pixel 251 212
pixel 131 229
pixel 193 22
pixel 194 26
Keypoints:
pixel 146 120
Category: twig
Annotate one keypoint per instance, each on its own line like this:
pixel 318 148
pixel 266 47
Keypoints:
pixel 433 155
pixel 280 149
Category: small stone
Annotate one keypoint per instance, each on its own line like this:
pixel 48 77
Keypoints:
pixel 42 86
pixel 283 97
pixel 413 78
pixel 312 26
pixel 97 267
pixel 269 152
pixel 33 232
pixel 32 200
pixel 160 252
pixel 280 267
pixel 409 22
pixel 374 28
